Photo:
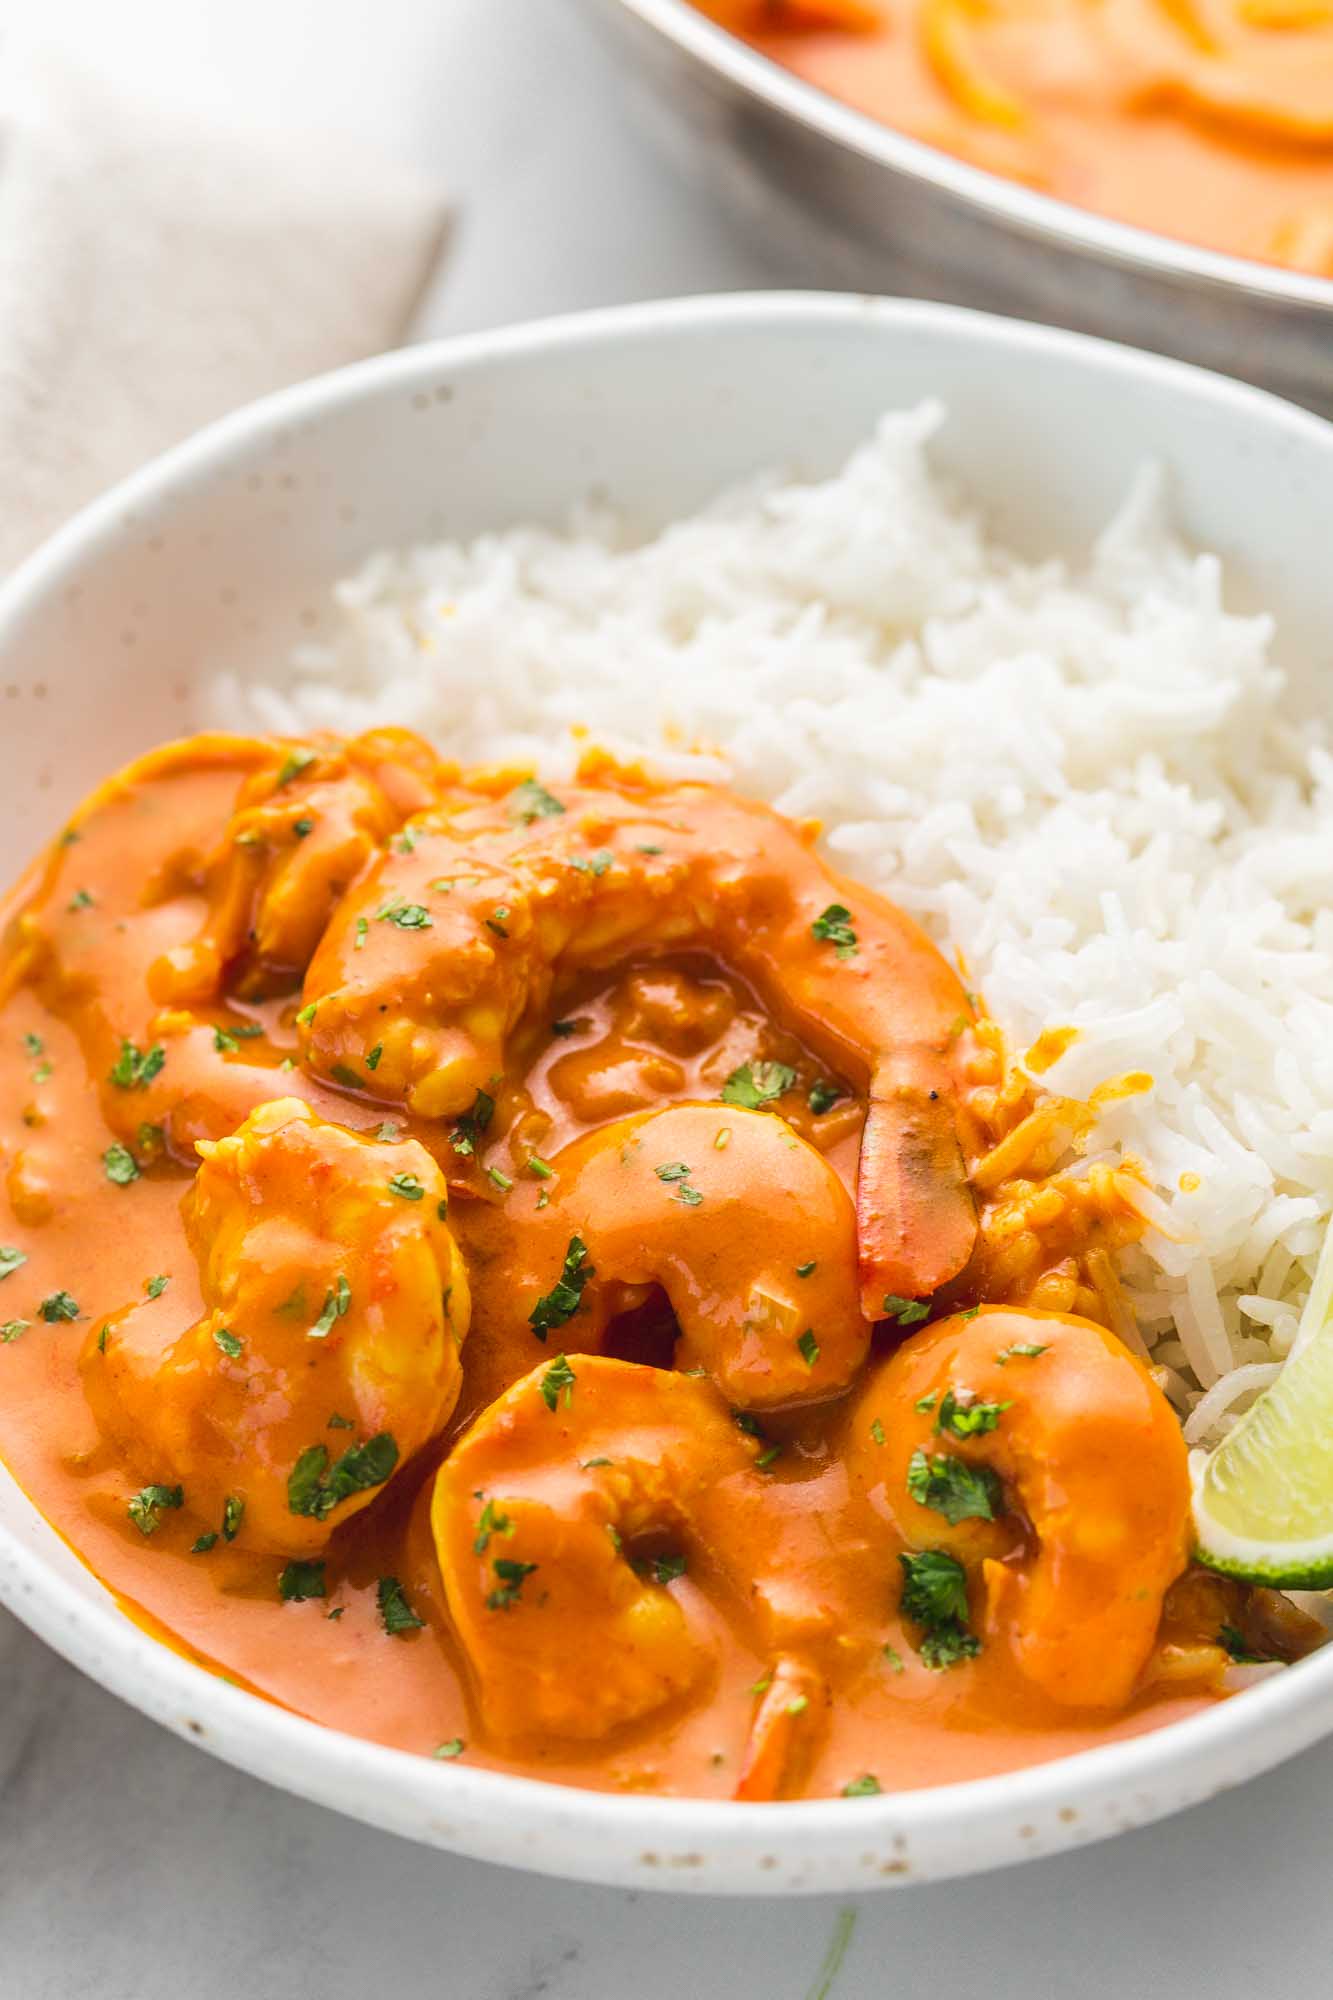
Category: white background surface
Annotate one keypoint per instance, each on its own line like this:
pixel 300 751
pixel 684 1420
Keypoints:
pixel 132 1865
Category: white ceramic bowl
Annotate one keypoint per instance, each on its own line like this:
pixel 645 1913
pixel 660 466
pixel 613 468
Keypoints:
pixel 222 554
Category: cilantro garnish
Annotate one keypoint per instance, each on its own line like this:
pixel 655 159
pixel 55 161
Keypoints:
pixel 396 1613
pixel 1237 1646
pixel 893 1659
pixel 667 1568
pixel 362 930
pixel 303 826
pixel 805 1270
pixel 147 1506
pixel 497 920
pixel 373 1056
pixel 300 1580
pixel 1027 1350
pixel 455 1746
pixel 335 1305
pixel 57 1307
pixel 756 1084
pixel 823 1096
pixel 835 927
pixel 10 1259
pixel 81 900
pixel 228 1040
pixel 292 766
pixel 204 1543
pixel 407 1187
pixel 315 1489
pixel 935 1597
pixel 877 1430
pixel 862 1788
pixel 227 1341
pixel 566 1294
pixel 531 801
pixel 466 1132
pixel 233 1513
pixel 964 1416
pixel 407 916
pixel 677 1171
pixel 34 1045
pixel 559 1376
pixel 593 864
pixel 563 1028
pixel 809 1347
pixel 345 1077
pixel 907 1312
pixel 511 1575
pixel 135 1069
pixel 490 1522
pixel 954 1488
pixel 11 1330
pixel 120 1164
pixel 156 1286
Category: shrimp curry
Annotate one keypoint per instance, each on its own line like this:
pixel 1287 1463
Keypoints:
pixel 555 1276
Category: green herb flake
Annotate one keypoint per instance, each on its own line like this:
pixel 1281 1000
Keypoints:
pixel 935 1597
pixel 11 1329
pixel 469 1128
pixel 809 1347
pixel 388 1133
pixel 768 1457
pixel 305 1015
pixel 566 1295
pixel 373 1056
pixel 1237 1647
pixel 490 1521
pixel 233 1513
pixel 300 1580
pixel 953 1487
pixel 756 1084
pixel 362 931
pixel 892 1658
pixel 407 916
pixel 314 1488
pixel 149 1504
pixel 926 1403
pixel 396 1614
pixel 835 927
pixel 406 842
pixel 33 1045
pixel 557 1377
pixel 407 1187
pixel 228 1343
pixel 907 1312
pixel 666 1569
pixel 302 827
pixel 865 1787
pixel 11 1258
pixel 823 1096
pixel 689 1197
pixel 511 1574
pixel 120 1165
pixel 497 920
pixel 43 1073
pixel 963 1415
pixel 877 1431
pixel 80 900
pixel 805 1270
pixel 204 1543
pixel 292 766
pixel 336 1303
pixel 564 1028
pixel 57 1307
pixel 1025 1350
pixel 455 1746
pixel 531 801
pixel 156 1286
pixel 345 1078
pixel 134 1069
pixel 337 1423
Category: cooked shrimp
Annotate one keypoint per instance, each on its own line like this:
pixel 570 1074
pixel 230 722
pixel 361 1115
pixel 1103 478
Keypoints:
pixel 443 948
pixel 746 1228
pixel 1037 1447
pixel 580 1523
pixel 335 1304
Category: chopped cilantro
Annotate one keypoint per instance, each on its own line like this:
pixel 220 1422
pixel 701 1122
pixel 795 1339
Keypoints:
pixel 497 920
pixel 531 801
pixel 964 1416
pixel 558 1376
pixel 337 1423
pixel 667 1568
pixel 809 1347
pixel 34 1045
pixel 805 1270
pixel 305 1015
pixel 798 1704
pixel 1027 1350
pixel 156 1286
pixel 407 1187
pixel 455 1746
pixel 688 1196
pixel 11 1330
pixel 227 1341
pixel 292 766
pixel 566 1294
pixel 877 1430
pixel 233 1513
pixel 315 1489
pixel 335 1305
pixel 43 1073
pixel 388 1133
pixel 466 1132
pixel 907 1312
pixel 594 864
pixel 57 1307
pixel 768 1457
pixel 120 1165
pixel 924 1403
pixel 300 1580
pixel 362 929
pixel 10 1259
pixel 511 1574
pixel 227 1040
pixel 147 1506
pixel 303 826
pixel 935 1597
pixel 204 1543
pixel 490 1522
pixel 407 916
pixel 673 1170
pixel 346 1078
pixel 563 1028
pixel 835 927
pixel 151 1137
pixel 135 1069
pixel 395 1611
pixel 373 1056
pixel 756 1084
pixel 862 1788
pixel 823 1096
pixel 893 1659
pixel 953 1487
pixel 1237 1646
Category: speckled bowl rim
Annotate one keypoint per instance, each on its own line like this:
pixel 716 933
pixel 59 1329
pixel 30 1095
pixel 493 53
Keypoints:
pixel 816 1846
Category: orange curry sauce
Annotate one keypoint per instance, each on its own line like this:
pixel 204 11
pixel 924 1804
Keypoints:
pixel 1210 120
pixel 133 884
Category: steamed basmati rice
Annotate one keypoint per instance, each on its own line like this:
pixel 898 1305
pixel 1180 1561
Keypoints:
pixel 1082 782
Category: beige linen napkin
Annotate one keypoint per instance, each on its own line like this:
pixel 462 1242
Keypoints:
pixel 155 272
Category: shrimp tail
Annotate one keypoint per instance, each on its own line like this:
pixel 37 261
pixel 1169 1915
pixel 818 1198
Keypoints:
pixel 916 1217
pixel 792 1710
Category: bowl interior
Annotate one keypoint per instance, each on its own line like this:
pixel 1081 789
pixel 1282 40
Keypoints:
pixel 223 555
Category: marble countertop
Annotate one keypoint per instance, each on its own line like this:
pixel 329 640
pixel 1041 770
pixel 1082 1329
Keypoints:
pixel 133 1867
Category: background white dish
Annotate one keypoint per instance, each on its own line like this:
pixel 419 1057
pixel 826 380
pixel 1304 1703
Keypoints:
pixel 221 555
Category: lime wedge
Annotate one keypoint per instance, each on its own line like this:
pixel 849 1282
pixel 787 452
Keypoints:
pixel 1263 1501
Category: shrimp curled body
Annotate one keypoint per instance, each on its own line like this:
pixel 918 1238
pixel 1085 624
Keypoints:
pixel 460 930
pixel 1077 1555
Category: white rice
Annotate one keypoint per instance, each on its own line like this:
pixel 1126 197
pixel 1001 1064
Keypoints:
pixel 1082 782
